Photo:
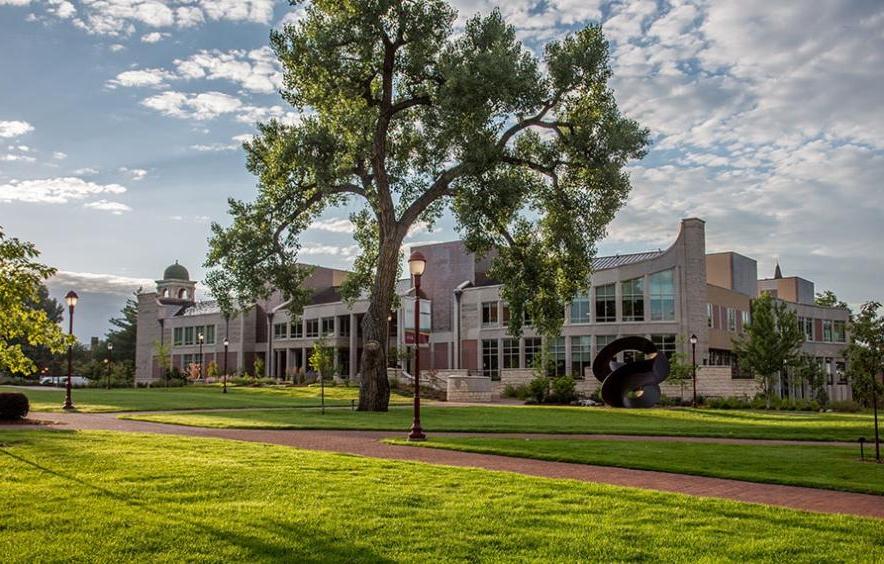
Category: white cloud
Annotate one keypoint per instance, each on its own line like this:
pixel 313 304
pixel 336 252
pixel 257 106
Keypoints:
pixel 116 47
pixel 207 105
pixel 87 171
pixel 116 208
pixel 59 155
pixel 54 190
pixel 11 157
pixel 153 78
pixel 133 173
pixel 62 8
pixel 154 37
pixel 333 225
pixel 345 252
pixel 14 128
pixel 90 282
pixel 256 70
pixel 14 2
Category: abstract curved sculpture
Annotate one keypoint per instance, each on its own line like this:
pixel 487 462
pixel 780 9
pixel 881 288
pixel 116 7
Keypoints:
pixel 631 384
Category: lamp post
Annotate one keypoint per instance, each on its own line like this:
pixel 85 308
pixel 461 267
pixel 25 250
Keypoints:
pixel 71 299
pixel 694 367
pixel 226 344
pixel 199 338
pixel 109 360
pixel 416 264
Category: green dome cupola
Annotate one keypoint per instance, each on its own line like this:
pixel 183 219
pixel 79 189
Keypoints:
pixel 176 272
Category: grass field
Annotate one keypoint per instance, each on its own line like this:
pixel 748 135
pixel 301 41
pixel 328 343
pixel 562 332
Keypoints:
pixel 100 496
pixel 827 467
pixel 684 422
pixel 96 400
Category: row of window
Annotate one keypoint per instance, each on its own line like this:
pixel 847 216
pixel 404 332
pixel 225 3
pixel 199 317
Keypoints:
pixel 832 331
pixel 726 320
pixel 312 328
pixel 661 294
pixel 185 336
pixel 511 353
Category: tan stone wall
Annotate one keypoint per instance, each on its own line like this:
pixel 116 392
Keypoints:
pixel 469 388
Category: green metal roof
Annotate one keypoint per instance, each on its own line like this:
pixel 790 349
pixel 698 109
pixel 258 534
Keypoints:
pixel 176 272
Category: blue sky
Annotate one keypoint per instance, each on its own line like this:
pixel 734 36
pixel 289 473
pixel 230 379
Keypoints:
pixel 121 120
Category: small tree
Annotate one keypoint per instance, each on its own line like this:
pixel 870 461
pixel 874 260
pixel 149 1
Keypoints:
pixel 681 371
pixel 258 367
pixel 163 354
pixel 865 360
pixel 770 342
pixel 323 361
pixel 809 370
pixel 212 370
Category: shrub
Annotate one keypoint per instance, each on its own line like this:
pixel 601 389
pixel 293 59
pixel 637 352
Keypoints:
pixel 520 391
pixel 538 389
pixel 728 403
pixel 13 406
pixel 564 390
pixel 847 406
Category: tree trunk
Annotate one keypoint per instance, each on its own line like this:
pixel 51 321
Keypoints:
pixel 374 391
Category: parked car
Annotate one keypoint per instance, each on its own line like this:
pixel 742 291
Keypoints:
pixel 76 381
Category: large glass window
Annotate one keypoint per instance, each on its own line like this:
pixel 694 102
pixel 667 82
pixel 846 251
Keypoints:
pixel 178 336
pixel 210 334
pixel 580 309
pixel 633 299
pixel 279 330
pixel 581 355
pixel 558 356
pixel 490 366
pixel 343 326
pixel 731 320
pixel 533 347
pixel 297 329
pixel 188 336
pixel 606 304
pixel 827 330
pixel 745 319
pixel 709 317
pixel 312 328
pixel 806 324
pixel 328 326
pixel 505 314
pixel 830 371
pixel 489 314
pixel 511 353
pixel 662 286
pixel 840 331
pixel 841 371
pixel 601 341
pixel 665 344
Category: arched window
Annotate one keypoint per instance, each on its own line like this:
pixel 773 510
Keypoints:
pixel 182 294
pixel 165 292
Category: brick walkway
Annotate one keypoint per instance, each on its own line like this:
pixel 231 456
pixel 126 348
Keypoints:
pixel 366 443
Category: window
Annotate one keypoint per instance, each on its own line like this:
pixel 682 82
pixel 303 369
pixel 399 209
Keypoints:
pixel 840 331
pixel 178 336
pixel 505 314
pixel 601 341
pixel 806 324
pixel 528 320
pixel 580 309
pixel 297 329
pixel 827 330
pixel 312 329
pixel 489 314
pixel 633 300
pixel 279 330
pixel 511 353
pixel 581 355
pixel 210 334
pixel 830 373
pixel 709 318
pixel 532 350
pixel 490 367
pixel 731 320
pixel 662 285
pixel 558 356
pixel 188 336
pixel 328 326
pixel 605 304
pixel 344 326
pixel 665 344
pixel 746 318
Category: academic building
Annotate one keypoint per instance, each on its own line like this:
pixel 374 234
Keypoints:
pixel 665 295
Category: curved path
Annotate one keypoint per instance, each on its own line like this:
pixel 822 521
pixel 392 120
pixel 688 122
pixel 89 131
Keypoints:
pixel 367 443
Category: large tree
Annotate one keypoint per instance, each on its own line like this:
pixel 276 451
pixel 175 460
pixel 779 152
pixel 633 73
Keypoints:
pixel 406 116
pixel 124 336
pixel 865 354
pixel 23 320
pixel 771 342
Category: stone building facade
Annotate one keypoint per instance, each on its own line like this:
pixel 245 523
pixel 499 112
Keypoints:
pixel 666 295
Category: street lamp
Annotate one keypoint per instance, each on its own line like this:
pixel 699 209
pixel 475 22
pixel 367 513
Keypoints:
pixel 694 366
pixel 416 264
pixel 199 338
pixel 108 360
pixel 226 344
pixel 71 299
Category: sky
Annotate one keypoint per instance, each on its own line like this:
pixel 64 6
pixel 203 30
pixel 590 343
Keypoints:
pixel 121 123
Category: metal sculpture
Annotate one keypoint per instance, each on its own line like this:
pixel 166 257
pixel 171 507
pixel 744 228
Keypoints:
pixel 631 384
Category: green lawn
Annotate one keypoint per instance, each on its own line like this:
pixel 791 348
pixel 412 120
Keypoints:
pixel 685 422
pixel 190 397
pixel 827 467
pixel 103 496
